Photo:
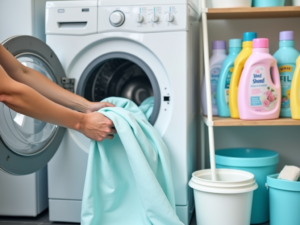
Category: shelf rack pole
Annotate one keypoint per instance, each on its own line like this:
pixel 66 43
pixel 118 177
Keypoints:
pixel 208 92
pixel 201 70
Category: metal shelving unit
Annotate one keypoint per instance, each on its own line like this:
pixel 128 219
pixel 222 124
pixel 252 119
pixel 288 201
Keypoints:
pixel 209 120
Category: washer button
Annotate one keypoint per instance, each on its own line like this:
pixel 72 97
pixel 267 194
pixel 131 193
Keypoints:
pixel 117 18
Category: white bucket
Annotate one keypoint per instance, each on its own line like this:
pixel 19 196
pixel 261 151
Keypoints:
pixel 228 3
pixel 227 201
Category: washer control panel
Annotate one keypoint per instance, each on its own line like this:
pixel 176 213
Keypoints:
pixel 144 18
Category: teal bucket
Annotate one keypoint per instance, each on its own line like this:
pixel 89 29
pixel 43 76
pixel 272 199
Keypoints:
pixel 284 201
pixel 268 3
pixel 259 162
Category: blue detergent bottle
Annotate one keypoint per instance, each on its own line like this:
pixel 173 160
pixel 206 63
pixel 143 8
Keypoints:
pixel 286 57
pixel 235 47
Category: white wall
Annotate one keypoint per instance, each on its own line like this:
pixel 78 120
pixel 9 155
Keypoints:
pixel 284 140
pixel 267 28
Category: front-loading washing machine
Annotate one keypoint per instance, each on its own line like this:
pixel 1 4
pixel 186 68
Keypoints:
pixel 129 49
pixel 132 49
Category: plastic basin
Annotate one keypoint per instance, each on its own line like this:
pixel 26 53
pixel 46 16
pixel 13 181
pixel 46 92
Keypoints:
pixel 284 201
pixel 259 162
pixel 268 3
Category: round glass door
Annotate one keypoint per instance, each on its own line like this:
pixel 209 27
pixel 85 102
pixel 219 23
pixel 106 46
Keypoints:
pixel 27 144
pixel 22 134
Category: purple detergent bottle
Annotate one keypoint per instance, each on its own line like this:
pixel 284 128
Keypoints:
pixel 215 63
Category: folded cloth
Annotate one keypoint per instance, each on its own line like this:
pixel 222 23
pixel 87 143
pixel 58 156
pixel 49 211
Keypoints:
pixel 291 173
pixel 129 180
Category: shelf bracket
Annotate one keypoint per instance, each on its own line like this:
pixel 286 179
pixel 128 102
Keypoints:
pixel 209 123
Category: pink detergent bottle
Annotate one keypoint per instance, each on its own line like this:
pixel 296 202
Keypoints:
pixel 259 92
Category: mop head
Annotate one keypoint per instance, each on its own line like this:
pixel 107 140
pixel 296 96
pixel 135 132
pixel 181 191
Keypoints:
pixel 291 173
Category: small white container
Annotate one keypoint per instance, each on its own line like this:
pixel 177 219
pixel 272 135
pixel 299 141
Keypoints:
pixel 228 3
pixel 227 201
pixel 296 2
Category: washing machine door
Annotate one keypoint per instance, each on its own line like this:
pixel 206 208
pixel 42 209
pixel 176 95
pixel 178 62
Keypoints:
pixel 27 144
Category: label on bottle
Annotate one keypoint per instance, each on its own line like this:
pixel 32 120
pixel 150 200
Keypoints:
pixel 227 85
pixel 262 97
pixel 286 72
pixel 214 78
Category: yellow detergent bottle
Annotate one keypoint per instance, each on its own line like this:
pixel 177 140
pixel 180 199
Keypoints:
pixel 237 71
pixel 295 92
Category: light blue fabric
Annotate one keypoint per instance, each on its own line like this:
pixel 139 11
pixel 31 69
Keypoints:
pixel 147 106
pixel 129 180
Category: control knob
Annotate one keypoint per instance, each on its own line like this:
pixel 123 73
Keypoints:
pixel 117 18
pixel 154 18
pixel 170 17
pixel 139 18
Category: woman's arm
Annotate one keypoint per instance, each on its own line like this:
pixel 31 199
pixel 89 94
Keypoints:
pixel 44 86
pixel 27 101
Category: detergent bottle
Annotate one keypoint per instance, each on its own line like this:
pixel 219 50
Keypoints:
pixel 215 63
pixel 295 92
pixel 286 57
pixel 259 94
pixel 237 71
pixel 235 46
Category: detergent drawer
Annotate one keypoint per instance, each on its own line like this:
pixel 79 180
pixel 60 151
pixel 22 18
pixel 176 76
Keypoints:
pixel 73 18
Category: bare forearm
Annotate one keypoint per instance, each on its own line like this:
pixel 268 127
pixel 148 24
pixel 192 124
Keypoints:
pixel 40 83
pixel 27 101
pixel 53 91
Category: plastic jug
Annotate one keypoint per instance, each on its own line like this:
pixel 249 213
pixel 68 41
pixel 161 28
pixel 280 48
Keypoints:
pixel 259 95
pixel 215 63
pixel 295 92
pixel 235 47
pixel 237 71
pixel 286 57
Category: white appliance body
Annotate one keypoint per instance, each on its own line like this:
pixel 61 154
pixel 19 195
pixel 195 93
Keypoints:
pixel 23 195
pixel 80 33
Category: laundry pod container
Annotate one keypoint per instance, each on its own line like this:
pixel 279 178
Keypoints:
pixel 284 201
pixel 259 162
pixel 268 3
pixel 228 3
pixel 226 201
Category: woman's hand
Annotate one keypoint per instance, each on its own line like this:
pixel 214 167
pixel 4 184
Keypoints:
pixel 96 106
pixel 97 127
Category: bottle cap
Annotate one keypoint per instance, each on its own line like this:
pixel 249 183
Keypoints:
pixel 286 35
pixel 219 45
pixel 235 43
pixel 249 36
pixel 261 43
